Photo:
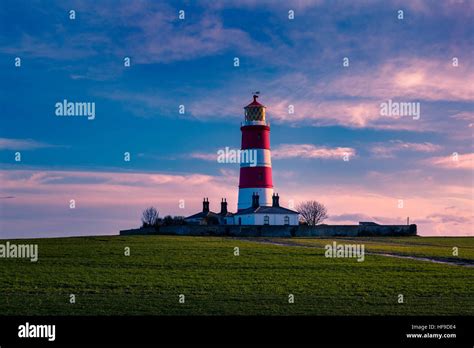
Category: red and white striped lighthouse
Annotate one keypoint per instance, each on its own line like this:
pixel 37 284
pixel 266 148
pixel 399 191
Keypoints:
pixel 256 137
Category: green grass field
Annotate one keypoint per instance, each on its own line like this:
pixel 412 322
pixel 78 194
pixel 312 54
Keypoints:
pixel 440 248
pixel 215 282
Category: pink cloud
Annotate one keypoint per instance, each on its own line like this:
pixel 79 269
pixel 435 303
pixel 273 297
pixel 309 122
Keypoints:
pixel 96 188
pixel 453 161
pixel 418 79
pixel 326 113
pixel 381 205
pixel 109 201
pixel 467 117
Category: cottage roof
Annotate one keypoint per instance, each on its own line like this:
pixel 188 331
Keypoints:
pixel 202 215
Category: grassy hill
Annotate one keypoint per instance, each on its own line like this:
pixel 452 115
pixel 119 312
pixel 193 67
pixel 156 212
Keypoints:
pixel 215 282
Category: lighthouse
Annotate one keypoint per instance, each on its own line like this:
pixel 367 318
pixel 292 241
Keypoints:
pixel 255 179
pixel 258 204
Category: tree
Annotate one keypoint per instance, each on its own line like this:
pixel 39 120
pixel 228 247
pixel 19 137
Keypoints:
pixel 168 220
pixel 312 212
pixel 149 217
pixel 179 220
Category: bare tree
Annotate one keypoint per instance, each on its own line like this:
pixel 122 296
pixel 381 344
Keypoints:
pixel 312 212
pixel 149 216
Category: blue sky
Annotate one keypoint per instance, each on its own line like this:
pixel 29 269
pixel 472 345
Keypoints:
pixel 190 62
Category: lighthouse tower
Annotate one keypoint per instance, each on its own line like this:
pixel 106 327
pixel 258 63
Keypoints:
pixel 256 179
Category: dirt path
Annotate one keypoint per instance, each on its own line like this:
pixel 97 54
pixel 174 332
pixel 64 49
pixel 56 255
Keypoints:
pixel 465 263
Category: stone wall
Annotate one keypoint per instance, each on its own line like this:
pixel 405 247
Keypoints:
pixel 139 231
pixel 278 231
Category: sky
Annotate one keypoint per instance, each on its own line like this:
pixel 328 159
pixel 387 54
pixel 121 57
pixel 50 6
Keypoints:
pixel 334 63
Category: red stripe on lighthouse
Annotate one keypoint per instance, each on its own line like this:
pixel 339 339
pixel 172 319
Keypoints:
pixel 255 137
pixel 255 177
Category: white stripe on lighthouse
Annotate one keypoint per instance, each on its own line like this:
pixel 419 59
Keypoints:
pixel 245 197
pixel 263 158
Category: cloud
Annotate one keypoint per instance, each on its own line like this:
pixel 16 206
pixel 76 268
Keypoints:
pixel 22 144
pixel 448 218
pixel 425 79
pixel 284 151
pixel 207 37
pixel 208 156
pixel 351 218
pixel 465 116
pixel 459 8
pixel 267 4
pixel 389 149
pixel 453 161
pixel 324 113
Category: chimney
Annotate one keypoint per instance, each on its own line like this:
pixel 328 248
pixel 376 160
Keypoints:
pixel 224 206
pixel 255 200
pixel 276 200
pixel 205 205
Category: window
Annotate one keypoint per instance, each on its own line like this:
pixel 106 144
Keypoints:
pixel 259 136
pixel 266 220
pixel 260 176
pixel 287 220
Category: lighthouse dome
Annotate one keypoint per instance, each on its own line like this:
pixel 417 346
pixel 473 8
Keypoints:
pixel 255 111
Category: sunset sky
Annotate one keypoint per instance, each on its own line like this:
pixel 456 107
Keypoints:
pixel 190 62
